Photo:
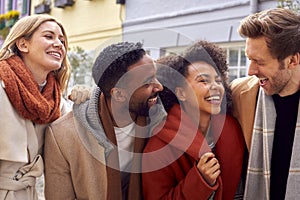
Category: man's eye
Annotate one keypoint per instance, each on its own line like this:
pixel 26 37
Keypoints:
pixel 203 81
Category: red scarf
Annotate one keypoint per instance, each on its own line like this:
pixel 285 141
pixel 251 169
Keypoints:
pixel 24 94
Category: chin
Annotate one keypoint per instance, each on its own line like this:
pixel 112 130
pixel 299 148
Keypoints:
pixel 215 111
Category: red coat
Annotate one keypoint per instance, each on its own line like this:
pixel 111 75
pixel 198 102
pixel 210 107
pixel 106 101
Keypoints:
pixel 170 158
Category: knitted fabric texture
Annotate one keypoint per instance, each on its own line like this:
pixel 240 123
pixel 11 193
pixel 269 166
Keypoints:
pixel 23 92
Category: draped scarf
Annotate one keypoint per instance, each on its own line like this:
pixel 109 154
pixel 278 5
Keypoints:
pixel 23 92
pixel 113 174
pixel 259 166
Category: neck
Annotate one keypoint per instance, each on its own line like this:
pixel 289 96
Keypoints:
pixel 121 116
pixel 202 119
pixel 38 73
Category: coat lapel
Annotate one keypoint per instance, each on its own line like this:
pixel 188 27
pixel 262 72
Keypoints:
pixel 244 93
pixel 113 172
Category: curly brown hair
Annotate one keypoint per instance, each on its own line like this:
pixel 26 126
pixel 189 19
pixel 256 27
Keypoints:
pixel 199 51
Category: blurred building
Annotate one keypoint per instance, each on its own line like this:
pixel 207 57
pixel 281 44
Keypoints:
pixel 170 25
pixel 88 22
pixel 164 26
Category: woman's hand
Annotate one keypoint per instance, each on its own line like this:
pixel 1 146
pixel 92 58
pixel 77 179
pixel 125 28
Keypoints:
pixel 209 168
pixel 80 93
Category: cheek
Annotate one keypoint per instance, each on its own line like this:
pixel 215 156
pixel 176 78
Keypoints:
pixel 222 90
pixel 64 51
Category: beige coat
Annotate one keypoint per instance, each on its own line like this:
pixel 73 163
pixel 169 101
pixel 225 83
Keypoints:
pixel 73 147
pixel 21 143
pixel 244 94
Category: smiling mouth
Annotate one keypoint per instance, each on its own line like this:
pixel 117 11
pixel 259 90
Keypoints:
pixel 55 54
pixel 263 81
pixel 152 101
pixel 214 99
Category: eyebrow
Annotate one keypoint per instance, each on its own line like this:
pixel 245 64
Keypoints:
pixel 148 79
pixel 206 76
pixel 52 32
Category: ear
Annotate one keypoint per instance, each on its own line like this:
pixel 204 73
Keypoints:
pixel 118 94
pixel 180 93
pixel 22 45
pixel 294 61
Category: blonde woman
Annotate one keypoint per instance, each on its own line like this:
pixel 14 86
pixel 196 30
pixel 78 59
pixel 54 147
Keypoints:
pixel 34 72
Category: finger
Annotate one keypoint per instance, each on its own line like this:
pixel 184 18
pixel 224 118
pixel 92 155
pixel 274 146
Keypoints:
pixel 212 162
pixel 78 97
pixel 72 96
pixel 84 96
pixel 216 174
pixel 206 157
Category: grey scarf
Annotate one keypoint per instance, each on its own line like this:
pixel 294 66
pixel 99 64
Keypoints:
pixel 259 166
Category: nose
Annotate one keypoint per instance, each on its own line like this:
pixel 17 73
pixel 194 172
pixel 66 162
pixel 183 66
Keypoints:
pixel 57 44
pixel 214 85
pixel 157 86
pixel 252 69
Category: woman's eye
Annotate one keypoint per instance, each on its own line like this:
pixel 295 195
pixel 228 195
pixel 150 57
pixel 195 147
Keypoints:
pixel 48 36
pixel 62 41
pixel 219 81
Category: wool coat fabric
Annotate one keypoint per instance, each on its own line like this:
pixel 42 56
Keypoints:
pixel 170 158
pixel 86 178
pixel 21 144
pixel 244 96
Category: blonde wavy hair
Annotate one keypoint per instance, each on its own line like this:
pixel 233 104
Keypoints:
pixel 24 28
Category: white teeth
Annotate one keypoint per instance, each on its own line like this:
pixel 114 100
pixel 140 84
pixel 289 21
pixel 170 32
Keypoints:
pixel 55 54
pixel 263 80
pixel 152 100
pixel 213 98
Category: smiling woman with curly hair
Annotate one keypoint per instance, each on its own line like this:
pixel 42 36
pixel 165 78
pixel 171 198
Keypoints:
pixel 197 153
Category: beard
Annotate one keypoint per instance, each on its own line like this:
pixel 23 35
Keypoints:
pixel 141 109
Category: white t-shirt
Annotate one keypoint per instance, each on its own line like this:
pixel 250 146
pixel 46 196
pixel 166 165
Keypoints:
pixel 125 141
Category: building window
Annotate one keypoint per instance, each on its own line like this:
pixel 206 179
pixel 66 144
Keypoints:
pixel 24 6
pixel 9 5
pixel 235 52
pixel 237 61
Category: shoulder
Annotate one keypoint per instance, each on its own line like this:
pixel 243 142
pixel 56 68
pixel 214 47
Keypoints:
pixel 230 120
pixel 64 121
pixel 64 127
pixel 226 123
pixel 244 83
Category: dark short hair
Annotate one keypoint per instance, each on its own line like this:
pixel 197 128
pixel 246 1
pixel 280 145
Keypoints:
pixel 113 62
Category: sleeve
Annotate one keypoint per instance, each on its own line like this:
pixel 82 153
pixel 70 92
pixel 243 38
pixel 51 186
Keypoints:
pixel 230 150
pixel 58 183
pixel 176 181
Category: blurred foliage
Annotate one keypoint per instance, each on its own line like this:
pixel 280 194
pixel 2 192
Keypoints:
pixel 7 20
pixel 81 62
pixel 289 4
